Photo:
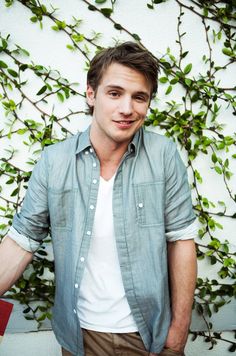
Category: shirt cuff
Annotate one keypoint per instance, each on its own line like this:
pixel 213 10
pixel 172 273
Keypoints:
pixel 188 233
pixel 23 241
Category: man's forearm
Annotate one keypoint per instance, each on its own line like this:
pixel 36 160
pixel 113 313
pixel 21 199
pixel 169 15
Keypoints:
pixel 13 261
pixel 182 274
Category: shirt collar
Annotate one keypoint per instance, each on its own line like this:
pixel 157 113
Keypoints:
pixel 84 141
pixel 134 144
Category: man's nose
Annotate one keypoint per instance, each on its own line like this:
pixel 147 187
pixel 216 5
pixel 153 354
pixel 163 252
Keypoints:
pixel 126 106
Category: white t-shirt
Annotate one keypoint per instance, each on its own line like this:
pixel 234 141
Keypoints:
pixel 102 304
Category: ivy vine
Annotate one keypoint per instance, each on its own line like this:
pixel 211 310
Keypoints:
pixel 193 122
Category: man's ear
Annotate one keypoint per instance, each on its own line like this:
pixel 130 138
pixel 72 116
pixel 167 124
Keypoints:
pixel 90 95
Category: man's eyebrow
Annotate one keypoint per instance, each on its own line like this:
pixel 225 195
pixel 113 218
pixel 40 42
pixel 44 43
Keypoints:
pixel 114 87
pixel 144 93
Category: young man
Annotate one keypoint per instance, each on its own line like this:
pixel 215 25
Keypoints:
pixel 117 201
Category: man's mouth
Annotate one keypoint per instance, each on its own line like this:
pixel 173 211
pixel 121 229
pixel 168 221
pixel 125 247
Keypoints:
pixel 124 124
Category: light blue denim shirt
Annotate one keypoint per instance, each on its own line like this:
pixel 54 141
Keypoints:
pixel 151 197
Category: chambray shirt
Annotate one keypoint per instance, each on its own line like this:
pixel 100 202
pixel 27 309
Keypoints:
pixel 151 197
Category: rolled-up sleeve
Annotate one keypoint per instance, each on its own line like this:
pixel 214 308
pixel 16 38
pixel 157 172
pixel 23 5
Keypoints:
pixel 178 209
pixel 23 241
pixel 188 233
pixel 33 219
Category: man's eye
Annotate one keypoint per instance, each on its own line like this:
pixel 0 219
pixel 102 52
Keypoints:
pixel 140 98
pixel 114 94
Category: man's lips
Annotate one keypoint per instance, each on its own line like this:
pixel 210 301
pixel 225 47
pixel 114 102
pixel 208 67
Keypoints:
pixel 124 123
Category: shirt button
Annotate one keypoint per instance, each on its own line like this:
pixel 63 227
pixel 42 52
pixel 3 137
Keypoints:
pixel 74 310
pixel 91 207
pixel 140 205
pixel 76 285
pixel 94 181
pixel 89 232
pixel 94 164
pixel 86 152
pixel 91 150
pixel 82 259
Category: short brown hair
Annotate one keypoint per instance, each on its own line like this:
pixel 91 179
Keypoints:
pixel 129 54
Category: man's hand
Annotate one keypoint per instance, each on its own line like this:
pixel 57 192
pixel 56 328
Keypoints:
pixel 177 337
pixel 153 354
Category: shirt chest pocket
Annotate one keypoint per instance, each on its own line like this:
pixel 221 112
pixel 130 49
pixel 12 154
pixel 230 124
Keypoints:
pixel 149 203
pixel 61 204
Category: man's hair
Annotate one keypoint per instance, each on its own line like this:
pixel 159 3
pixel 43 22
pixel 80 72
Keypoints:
pixel 129 54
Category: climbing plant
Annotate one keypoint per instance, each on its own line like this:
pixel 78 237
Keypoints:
pixel 194 121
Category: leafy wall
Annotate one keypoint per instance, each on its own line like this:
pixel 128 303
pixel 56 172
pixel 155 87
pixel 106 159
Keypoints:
pixel 195 107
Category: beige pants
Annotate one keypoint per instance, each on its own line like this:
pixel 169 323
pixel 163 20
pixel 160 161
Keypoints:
pixel 111 344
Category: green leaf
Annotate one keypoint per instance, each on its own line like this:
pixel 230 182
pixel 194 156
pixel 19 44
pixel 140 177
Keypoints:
pixel 77 37
pixel 100 1
pixel 188 82
pixel 3 64
pixel 10 181
pixel 174 80
pixel 163 80
pixel 218 169
pixel 42 90
pixel 70 47
pixel 60 97
pixel 4 43
pixel 23 51
pixel 188 68
pixel 232 348
pixel 228 52
pixel 13 73
pixel 42 253
pixel 44 9
pixel 118 26
pixel 23 67
pixel 169 89
pixel 184 54
pixel 27 310
pixel 22 131
pixel 214 158
pixel 106 11
pixel 34 19
pixel 61 24
pixel 29 317
pixel 136 37
pixel 42 317
pixel 55 28
pixel 15 192
pixel 92 8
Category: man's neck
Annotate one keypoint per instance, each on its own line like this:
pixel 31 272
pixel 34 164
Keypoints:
pixel 109 155
pixel 109 160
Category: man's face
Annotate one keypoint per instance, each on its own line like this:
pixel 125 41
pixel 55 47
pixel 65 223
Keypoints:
pixel 120 105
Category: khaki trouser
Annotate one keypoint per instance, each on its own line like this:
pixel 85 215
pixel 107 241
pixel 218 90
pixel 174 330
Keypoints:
pixel 111 344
